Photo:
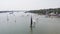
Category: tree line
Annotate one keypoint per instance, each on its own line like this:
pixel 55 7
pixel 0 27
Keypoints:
pixel 46 11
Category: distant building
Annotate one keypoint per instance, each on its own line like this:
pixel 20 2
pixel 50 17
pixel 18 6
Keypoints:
pixel 52 14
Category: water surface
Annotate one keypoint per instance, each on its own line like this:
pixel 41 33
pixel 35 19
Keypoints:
pixel 19 23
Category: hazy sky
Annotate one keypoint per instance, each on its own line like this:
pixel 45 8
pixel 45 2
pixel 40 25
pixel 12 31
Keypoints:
pixel 28 4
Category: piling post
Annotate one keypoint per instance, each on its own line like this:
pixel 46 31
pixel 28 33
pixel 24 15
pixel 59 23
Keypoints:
pixel 31 22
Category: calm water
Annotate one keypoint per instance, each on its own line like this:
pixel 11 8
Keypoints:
pixel 19 23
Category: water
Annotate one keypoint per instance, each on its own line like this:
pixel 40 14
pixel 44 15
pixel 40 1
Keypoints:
pixel 19 23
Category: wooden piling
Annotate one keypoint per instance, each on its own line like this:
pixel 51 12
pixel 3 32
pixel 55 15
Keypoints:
pixel 31 22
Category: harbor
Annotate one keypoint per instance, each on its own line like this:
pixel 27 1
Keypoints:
pixel 20 23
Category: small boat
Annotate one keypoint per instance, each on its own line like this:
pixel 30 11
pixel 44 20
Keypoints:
pixel 11 13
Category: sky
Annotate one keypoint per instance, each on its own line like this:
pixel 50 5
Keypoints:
pixel 28 4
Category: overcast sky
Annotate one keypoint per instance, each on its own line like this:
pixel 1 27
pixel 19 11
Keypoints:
pixel 28 4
